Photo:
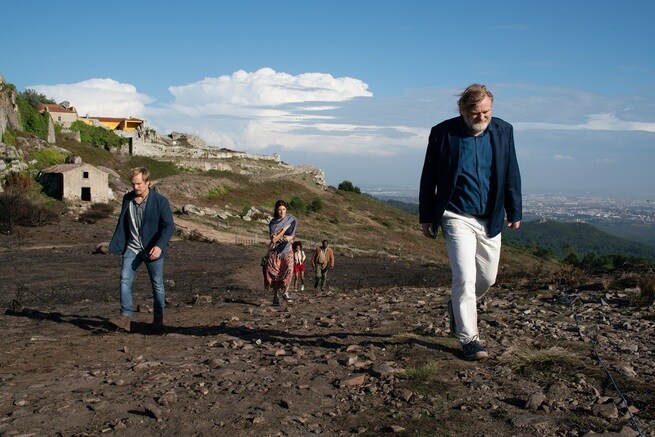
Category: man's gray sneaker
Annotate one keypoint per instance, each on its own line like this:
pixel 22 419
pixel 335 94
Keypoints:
pixel 453 328
pixel 474 351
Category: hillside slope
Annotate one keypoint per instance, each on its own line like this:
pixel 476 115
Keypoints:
pixel 579 238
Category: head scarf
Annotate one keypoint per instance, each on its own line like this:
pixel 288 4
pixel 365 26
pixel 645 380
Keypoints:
pixel 276 225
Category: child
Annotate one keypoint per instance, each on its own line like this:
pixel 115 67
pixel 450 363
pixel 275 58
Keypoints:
pixel 298 265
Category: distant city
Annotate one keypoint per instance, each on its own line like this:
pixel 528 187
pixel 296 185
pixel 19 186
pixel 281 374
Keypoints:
pixel 629 218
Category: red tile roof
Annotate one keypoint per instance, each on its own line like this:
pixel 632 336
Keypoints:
pixel 53 107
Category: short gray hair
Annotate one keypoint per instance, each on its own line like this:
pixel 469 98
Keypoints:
pixel 472 95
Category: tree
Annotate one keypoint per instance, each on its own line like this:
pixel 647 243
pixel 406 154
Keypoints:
pixel 34 98
pixel 348 186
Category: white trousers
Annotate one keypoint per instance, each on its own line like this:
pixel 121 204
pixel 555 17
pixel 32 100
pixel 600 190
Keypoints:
pixel 474 261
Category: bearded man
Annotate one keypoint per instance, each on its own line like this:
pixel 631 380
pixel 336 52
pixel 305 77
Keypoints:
pixel 469 185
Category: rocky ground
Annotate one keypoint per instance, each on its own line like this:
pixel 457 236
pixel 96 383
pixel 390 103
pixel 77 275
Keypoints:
pixel 370 357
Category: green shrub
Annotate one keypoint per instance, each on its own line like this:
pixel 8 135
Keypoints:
pixel 158 169
pixel 9 137
pixel 98 136
pixel 48 157
pixel 216 192
pixel 348 186
pixel 30 119
pixel 297 205
pixel 316 205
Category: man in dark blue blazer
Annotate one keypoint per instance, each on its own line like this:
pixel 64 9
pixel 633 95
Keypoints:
pixel 469 185
pixel 144 228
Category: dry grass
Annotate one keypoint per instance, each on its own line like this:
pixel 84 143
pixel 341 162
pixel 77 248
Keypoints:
pixel 420 373
pixel 530 360
pixel 647 287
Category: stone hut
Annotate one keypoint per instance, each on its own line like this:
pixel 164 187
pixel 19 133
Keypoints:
pixel 63 114
pixel 76 182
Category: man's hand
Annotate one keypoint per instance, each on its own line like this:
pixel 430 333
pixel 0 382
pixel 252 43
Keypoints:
pixel 514 225
pixel 427 230
pixel 155 253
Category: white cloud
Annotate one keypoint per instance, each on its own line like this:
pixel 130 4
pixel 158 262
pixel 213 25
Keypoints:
pixel 531 107
pixel 563 157
pixel 266 87
pixel 600 122
pixel 99 97
pixel 308 112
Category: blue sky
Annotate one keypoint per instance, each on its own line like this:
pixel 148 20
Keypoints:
pixel 353 87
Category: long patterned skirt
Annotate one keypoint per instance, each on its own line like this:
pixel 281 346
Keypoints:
pixel 279 269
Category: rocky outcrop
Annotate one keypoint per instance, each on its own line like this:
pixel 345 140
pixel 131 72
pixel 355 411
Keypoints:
pixel 8 108
pixel 188 139
pixel 191 152
pixel 177 150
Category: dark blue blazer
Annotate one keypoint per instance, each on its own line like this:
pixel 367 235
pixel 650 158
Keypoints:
pixel 441 169
pixel 157 226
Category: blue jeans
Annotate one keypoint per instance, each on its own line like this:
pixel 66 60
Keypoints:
pixel 131 262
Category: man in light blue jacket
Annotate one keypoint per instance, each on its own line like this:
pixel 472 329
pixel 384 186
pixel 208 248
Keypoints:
pixel 470 184
pixel 144 228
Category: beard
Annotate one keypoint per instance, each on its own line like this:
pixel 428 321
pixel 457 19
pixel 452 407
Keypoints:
pixel 477 128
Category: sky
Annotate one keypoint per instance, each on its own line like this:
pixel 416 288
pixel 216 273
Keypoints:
pixel 353 87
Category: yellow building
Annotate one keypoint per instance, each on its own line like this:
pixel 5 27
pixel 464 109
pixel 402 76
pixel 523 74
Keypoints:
pixel 114 123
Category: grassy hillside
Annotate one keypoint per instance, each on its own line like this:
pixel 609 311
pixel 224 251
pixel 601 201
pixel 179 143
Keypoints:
pixel 578 238
pixel 354 223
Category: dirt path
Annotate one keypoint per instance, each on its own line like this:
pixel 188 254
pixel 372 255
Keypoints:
pixel 370 357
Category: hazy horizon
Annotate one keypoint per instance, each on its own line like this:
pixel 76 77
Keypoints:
pixel 354 87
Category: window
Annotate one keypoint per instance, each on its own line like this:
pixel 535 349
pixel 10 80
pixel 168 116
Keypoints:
pixel 85 175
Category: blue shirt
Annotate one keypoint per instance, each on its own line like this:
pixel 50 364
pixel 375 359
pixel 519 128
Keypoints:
pixel 471 195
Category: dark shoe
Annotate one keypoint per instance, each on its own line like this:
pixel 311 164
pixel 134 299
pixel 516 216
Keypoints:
pixel 453 328
pixel 121 323
pixel 276 301
pixel 474 351
pixel 158 325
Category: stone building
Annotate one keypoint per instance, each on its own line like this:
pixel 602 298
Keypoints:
pixel 76 182
pixel 63 114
